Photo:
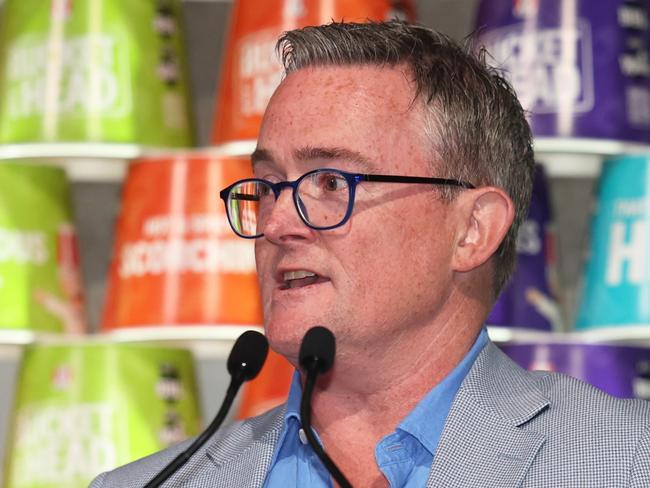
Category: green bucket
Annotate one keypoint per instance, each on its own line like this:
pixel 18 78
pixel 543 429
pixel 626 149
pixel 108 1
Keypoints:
pixel 40 283
pixel 81 409
pixel 93 71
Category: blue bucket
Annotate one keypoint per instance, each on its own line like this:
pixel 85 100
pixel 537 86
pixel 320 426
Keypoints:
pixel 616 281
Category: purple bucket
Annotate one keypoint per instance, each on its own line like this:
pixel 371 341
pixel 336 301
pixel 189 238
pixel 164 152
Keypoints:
pixel 528 300
pixel 580 67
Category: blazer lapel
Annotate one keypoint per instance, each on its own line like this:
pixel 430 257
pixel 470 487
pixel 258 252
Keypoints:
pixel 483 443
pixel 241 458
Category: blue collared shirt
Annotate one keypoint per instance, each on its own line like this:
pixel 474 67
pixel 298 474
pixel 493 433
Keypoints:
pixel 404 456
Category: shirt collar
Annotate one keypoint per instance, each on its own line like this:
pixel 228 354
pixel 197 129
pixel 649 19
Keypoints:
pixel 427 419
pixel 293 401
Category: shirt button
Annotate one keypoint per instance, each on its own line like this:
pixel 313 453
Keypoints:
pixel 302 436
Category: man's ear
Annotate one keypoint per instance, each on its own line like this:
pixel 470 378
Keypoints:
pixel 485 215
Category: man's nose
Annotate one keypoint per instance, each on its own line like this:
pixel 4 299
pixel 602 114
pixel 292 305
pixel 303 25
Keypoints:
pixel 284 223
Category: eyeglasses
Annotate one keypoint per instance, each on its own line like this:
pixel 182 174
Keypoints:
pixel 324 198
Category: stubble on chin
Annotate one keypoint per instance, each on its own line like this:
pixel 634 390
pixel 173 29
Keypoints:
pixel 284 342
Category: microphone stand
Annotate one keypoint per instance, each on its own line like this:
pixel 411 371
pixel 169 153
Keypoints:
pixel 244 363
pixel 235 382
pixel 316 357
pixel 305 417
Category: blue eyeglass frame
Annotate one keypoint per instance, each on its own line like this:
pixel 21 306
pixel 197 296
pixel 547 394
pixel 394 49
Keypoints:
pixel 352 179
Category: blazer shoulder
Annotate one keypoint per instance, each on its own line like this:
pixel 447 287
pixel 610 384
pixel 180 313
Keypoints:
pixel 568 394
pixel 136 473
pixel 232 438
pixel 552 400
pixel 587 437
pixel 595 437
pixel 577 402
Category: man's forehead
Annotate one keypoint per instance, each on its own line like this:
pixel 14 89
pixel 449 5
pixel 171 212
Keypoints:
pixel 362 115
pixel 344 95
pixel 312 153
pixel 393 84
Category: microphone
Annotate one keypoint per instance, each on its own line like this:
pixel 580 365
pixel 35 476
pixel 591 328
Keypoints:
pixel 244 363
pixel 317 357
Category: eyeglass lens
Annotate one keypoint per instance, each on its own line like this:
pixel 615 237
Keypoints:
pixel 322 199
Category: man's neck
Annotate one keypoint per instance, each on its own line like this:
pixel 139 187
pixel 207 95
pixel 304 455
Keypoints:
pixel 382 389
pixel 356 405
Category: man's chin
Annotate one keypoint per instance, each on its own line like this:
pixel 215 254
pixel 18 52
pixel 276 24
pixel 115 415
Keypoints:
pixel 285 340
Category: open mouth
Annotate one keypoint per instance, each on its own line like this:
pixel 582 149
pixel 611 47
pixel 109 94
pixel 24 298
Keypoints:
pixel 300 279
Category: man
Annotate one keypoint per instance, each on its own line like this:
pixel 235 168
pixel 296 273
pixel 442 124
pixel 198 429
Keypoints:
pixel 404 272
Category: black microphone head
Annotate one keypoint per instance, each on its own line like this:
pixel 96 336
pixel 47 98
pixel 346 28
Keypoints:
pixel 318 347
pixel 248 354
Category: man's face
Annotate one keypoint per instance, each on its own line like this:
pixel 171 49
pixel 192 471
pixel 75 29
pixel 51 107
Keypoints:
pixel 386 272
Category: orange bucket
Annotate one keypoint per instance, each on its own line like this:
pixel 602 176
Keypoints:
pixel 175 259
pixel 252 71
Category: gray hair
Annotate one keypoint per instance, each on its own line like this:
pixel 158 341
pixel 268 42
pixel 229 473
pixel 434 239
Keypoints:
pixel 477 128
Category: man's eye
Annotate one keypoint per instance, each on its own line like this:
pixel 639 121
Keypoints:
pixel 331 182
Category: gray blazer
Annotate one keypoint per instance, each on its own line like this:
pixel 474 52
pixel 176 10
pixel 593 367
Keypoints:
pixel 507 428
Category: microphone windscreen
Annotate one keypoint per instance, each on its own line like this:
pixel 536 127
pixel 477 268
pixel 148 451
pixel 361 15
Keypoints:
pixel 318 346
pixel 248 354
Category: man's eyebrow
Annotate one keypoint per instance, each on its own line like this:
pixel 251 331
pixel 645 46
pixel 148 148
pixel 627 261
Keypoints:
pixel 261 155
pixel 311 153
